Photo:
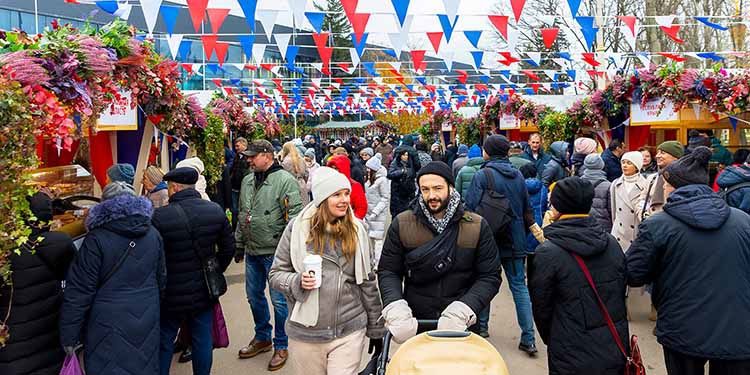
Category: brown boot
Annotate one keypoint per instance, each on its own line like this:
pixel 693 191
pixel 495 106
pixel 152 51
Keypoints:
pixel 278 360
pixel 254 348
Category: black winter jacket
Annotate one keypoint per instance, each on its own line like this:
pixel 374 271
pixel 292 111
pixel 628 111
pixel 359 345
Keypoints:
pixel 565 308
pixel 403 180
pixel 473 280
pixel 697 255
pixel 186 289
pixel 34 345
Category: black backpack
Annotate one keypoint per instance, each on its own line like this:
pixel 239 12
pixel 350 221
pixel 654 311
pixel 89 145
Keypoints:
pixel 724 193
pixel 495 208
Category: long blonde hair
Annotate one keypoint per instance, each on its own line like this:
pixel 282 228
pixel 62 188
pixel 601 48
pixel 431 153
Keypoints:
pixel 326 229
pixel 290 149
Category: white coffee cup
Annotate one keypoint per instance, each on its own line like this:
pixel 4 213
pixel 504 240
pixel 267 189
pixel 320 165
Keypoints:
pixel 314 266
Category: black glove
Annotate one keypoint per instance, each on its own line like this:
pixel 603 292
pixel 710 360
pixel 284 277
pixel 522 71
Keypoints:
pixel 376 347
pixel 239 255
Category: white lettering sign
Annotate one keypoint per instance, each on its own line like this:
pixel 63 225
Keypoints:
pixel 121 115
pixel 653 112
pixel 507 121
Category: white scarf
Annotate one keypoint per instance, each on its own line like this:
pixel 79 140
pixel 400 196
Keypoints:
pixel 306 313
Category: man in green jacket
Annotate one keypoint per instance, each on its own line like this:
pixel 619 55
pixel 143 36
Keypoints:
pixel 269 199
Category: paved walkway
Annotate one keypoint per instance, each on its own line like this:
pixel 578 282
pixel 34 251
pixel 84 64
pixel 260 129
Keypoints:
pixel 504 335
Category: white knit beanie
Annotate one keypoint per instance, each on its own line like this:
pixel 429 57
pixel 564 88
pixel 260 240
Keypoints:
pixel 634 157
pixel 194 163
pixel 327 181
pixel 375 163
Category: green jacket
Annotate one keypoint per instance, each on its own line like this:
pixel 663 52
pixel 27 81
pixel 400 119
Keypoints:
pixel 269 208
pixel 467 172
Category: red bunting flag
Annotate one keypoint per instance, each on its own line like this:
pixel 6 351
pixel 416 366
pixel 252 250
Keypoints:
pixel 188 68
pixel 536 87
pixel 532 76
pixel 221 51
pixel 217 82
pixel 267 67
pixel 321 40
pixel 629 21
pixel 350 6
pixel 325 57
pixel 517 6
pixel 462 76
pixel 417 57
pixel 508 58
pixel 673 57
pixel 590 58
pixel 359 23
pixel 277 81
pixel 251 67
pixel 209 45
pixel 155 119
pixel 500 23
pixel 672 33
pixel 435 39
pixel 217 17
pixel 549 35
pixel 197 9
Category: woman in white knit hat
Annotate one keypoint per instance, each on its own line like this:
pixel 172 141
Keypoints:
pixel 335 310
pixel 627 195
pixel 378 191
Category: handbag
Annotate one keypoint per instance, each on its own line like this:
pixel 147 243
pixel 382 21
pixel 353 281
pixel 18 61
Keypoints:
pixel 634 364
pixel 71 365
pixel 212 273
pixel 219 331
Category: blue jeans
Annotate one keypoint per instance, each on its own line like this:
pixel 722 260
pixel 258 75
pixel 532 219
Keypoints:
pixel 515 273
pixel 256 276
pixel 202 341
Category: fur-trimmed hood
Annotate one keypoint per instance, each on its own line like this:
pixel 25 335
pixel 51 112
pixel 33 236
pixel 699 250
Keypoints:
pixel 124 214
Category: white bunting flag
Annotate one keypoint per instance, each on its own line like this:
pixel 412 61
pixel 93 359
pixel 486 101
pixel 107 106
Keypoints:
pixel 267 18
pixel 282 41
pixel 150 13
pixel 123 10
pixel 174 44
pixel 259 50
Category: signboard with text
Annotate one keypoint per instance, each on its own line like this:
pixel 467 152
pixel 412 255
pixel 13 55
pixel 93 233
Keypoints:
pixel 507 121
pixel 653 112
pixel 121 115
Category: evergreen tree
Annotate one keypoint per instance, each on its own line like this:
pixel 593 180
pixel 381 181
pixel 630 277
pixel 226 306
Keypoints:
pixel 337 24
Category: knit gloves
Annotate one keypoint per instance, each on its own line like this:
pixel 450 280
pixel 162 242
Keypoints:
pixel 456 317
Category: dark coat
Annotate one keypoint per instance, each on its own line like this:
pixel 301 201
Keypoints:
pixel 538 201
pixel 611 165
pixel 186 288
pixel 555 168
pixel 473 280
pixel 566 311
pixel 697 255
pixel 731 176
pixel 403 180
pixel 601 207
pixel 120 316
pixel 539 162
pixel 508 181
pixel 34 345
pixel 238 171
pixel 576 164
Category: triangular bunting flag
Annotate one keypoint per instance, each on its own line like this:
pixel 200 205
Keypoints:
pixel 246 42
pixel 321 40
pixel 221 51
pixel 629 21
pixel 672 32
pixel 267 18
pixel 501 24
pixel 360 45
pixel 316 20
pixel 417 57
pixel 123 11
pixel 209 45
pixel 473 37
pixel 282 41
pixel 184 50
pixel 401 7
pixel 549 35
pixel 574 5
pixel 354 56
pixel 217 17
pixel 248 8
pixel 733 121
pixel 150 13
pixel 350 6
pixel 517 6
pixel 536 57
pixel 174 42
pixel 451 8
pixel 705 21
pixel 259 50
pixel 447 26
pixel 477 55
pixel 290 55
pixel 169 15
pixel 197 9
pixel 359 23
pixel 108 6
pixel 435 39
pixel 448 60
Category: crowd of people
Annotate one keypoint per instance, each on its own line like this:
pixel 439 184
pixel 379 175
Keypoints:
pixel 402 230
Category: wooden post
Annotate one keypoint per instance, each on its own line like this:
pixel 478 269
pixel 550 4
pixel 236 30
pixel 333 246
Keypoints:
pixel 148 135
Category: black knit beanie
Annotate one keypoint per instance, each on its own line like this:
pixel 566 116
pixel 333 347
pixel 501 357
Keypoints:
pixel 572 195
pixel 690 169
pixel 497 145
pixel 439 168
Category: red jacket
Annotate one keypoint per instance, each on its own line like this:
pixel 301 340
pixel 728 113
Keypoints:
pixel 358 198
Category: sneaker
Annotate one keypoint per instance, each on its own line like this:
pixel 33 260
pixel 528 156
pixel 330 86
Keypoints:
pixel 484 334
pixel 529 349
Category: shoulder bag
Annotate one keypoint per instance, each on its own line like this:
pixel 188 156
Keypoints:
pixel 634 364
pixel 214 278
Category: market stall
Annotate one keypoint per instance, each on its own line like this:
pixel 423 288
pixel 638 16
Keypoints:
pixel 342 129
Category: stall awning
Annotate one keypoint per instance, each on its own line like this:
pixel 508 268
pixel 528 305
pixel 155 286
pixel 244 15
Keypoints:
pixel 330 125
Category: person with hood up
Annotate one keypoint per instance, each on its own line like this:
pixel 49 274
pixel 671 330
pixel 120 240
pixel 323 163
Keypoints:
pixel 566 310
pixel 342 164
pixel 196 164
pixel 696 252
pixel 329 323
pixel 582 147
pixel 461 159
pixel 508 181
pixel 627 199
pixel 555 168
pixel 594 173
pixel 111 303
pixel 735 183
pixel 35 297
pixel 312 166
pixel 378 189
pixel 739 158
pixel 538 200
pixel 534 152
pixel 466 174
pixel 414 283
pixel 402 173
pixel 422 155
pixel 293 163
pixel 156 188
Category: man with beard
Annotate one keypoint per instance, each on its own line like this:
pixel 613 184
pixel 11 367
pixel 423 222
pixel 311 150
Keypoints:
pixel 438 262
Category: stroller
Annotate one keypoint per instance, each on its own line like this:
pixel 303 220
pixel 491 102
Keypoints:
pixel 439 352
